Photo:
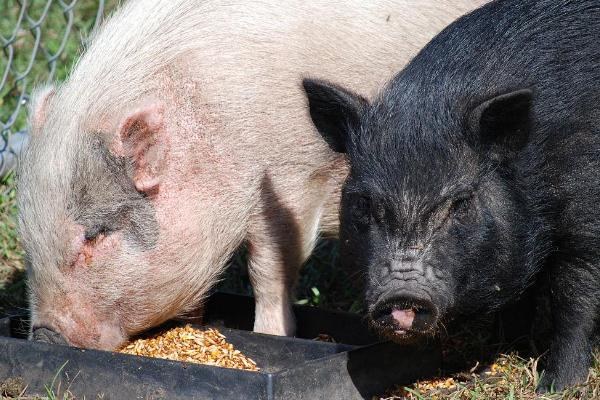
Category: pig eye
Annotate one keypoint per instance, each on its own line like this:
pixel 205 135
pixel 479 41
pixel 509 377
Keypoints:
pixel 460 207
pixel 95 231
pixel 379 213
pixel 360 210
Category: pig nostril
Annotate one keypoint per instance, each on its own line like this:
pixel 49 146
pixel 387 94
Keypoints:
pixel 405 314
pixel 47 335
pixel 403 319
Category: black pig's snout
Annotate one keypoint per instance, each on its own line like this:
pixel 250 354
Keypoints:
pixel 403 317
pixel 47 335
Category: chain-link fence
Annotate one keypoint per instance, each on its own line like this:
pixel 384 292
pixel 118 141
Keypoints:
pixel 40 40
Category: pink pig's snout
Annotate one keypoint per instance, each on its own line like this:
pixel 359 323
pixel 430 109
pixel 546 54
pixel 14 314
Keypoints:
pixel 79 326
pixel 103 337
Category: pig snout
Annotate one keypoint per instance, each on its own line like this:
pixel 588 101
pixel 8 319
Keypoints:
pixel 403 317
pixel 47 335
pixel 84 330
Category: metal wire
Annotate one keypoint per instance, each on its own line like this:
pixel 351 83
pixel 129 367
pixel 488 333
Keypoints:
pixel 34 36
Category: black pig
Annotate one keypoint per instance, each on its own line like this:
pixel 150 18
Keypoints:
pixel 476 172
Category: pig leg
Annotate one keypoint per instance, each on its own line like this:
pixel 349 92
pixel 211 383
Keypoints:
pixel 273 277
pixel 575 307
pixel 281 237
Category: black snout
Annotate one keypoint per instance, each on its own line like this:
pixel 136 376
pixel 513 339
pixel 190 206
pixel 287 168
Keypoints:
pixel 47 335
pixel 404 316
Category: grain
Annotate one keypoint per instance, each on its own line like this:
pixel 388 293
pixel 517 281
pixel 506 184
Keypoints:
pixel 185 343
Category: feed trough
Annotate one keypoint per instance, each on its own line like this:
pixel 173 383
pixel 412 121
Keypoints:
pixel 356 366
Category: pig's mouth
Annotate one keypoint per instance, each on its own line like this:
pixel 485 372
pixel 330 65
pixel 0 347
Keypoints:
pixel 47 335
pixel 106 337
pixel 403 319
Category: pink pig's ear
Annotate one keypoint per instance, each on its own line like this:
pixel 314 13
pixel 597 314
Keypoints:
pixel 38 107
pixel 141 138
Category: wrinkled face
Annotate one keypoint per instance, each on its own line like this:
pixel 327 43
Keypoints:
pixel 428 210
pixel 102 231
pixel 423 230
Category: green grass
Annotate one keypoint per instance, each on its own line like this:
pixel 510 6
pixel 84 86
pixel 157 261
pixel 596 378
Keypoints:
pixel 12 274
pixel 16 388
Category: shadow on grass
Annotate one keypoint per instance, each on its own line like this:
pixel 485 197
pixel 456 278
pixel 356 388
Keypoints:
pixel 473 344
pixel 322 282
pixel 13 292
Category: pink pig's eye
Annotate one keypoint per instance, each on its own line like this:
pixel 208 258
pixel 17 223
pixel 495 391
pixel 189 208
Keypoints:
pixel 95 231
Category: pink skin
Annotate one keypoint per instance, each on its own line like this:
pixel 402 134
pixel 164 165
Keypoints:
pixel 79 325
pixel 403 319
pixel 87 251
pixel 79 321
pixel 107 291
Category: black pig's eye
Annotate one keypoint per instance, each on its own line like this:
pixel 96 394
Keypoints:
pixel 379 213
pixel 360 210
pixel 460 207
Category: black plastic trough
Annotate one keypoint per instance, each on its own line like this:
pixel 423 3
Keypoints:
pixel 356 367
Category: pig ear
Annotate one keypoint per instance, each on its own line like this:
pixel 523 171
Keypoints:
pixel 503 122
pixel 335 111
pixel 141 138
pixel 38 107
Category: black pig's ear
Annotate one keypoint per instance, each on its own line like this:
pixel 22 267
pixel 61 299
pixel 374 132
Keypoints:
pixel 503 122
pixel 334 111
